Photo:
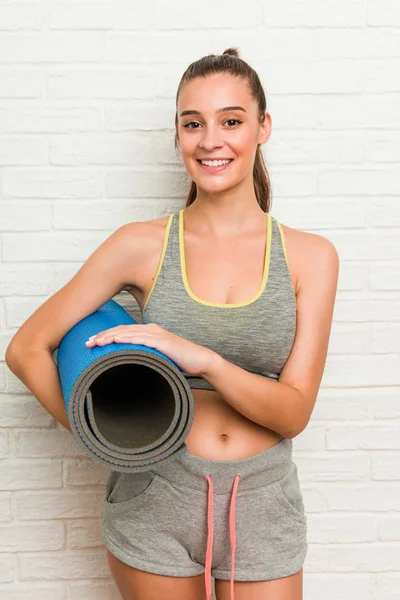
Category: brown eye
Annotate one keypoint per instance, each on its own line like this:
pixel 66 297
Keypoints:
pixel 229 120
pixel 236 120
pixel 190 123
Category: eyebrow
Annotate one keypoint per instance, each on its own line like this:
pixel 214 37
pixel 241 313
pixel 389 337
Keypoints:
pixel 223 109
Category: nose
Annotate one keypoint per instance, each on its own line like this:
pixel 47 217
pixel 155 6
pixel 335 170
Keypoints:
pixel 211 138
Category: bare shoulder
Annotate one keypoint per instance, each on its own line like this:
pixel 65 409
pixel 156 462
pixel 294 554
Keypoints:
pixel 117 264
pixel 149 231
pixel 308 254
pixel 149 237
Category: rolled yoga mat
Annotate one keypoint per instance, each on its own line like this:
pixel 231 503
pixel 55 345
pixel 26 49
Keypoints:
pixel 129 406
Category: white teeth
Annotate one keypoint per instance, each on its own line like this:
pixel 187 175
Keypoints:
pixel 214 163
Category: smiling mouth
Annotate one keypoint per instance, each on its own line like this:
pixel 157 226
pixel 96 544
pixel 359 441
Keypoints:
pixel 217 168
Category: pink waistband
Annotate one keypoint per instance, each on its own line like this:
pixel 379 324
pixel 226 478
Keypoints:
pixel 232 533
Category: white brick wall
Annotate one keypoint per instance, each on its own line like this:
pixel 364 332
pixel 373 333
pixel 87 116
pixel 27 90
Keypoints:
pixel 86 122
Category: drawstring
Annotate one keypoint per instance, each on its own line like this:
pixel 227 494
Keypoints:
pixel 209 538
pixel 232 530
pixel 232 534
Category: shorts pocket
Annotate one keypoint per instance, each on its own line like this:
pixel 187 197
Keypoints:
pixel 289 494
pixel 127 489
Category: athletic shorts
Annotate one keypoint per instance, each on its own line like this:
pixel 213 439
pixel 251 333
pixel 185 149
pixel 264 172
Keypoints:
pixel 241 520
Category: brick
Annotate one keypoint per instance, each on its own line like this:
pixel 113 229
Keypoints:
pixel 51 183
pixel 66 504
pixel 27 83
pixel 119 15
pixel 5 507
pixel 86 46
pixel 106 216
pixel 364 558
pixel 33 592
pixel 333 466
pixel 46 444
pixel 385 466
pixel 373 181
pixel 385 337
pixel 24 537
pixel 102 148
pixel 386 404
pixel 383 212
pixel 4 444
pixel 382 148
pixel 388 528
pixel 48 246
pixel 363 437
pixel 84 473
pixel 357 586
pixel 18 280
pixel 311 13
pixel 353 310
pixel 221 14
pixel 23 151
pixel 311 439
pixel 321 215
pixel 93 591
pixel 134 184
pixel 30 474
pixel 84 533
pixel 362 496
pixel 354 112
pixel 48 117
pixel 26 15
pixel 384 276
pixel 19 217
pixel 106 83
pixel 354 337
pixel 348 405
pixel 331 528
pixel 17 411
pixel 6 568
pixel 79 564
pixel 371 370
pixel 383 12
pixel 386 585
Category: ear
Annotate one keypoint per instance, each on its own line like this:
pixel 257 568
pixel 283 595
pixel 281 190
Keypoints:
pixel 265 129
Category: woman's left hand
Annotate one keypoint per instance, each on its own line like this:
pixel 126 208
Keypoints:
pixel 191 358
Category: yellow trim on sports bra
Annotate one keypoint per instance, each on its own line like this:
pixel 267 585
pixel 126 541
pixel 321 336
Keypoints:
pixel 161 259
pixel 265 274
pixel 283 238
pixel 283 241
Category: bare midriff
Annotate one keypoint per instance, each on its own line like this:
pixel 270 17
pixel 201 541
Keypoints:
pixel 218 432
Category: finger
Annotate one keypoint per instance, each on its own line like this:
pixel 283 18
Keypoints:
pixel 108 335
pixel 98 340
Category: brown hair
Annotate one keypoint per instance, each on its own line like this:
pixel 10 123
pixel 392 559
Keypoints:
pixel 229 62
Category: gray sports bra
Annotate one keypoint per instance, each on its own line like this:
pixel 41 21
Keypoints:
pixel 257 335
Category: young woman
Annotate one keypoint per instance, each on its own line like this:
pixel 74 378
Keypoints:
pixel 243 305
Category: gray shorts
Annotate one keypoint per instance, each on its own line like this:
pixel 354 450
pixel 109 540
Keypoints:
pixel 174 520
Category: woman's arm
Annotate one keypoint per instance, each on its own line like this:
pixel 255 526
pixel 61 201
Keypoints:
pixel 38 372
pixel 30 353
pixel 285 406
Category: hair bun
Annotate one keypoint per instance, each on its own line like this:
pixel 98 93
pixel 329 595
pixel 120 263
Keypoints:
pixel 231 52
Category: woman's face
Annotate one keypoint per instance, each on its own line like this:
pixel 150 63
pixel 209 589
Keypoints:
pixel 213 134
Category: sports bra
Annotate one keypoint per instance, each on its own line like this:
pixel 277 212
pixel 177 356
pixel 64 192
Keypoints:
pixel 256 335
